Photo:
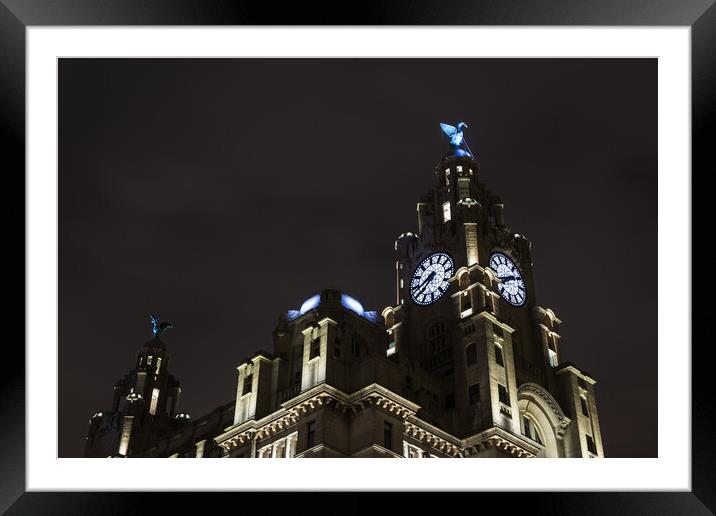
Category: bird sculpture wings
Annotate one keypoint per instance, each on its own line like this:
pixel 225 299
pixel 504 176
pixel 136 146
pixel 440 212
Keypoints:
pixel 454 133
pixel 158 327
pixel 448 129
pixel 456 137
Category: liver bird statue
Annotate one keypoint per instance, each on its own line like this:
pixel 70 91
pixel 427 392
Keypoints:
pixel 159 327
pixel 457 139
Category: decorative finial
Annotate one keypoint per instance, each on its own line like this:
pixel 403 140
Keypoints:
pixel 159 327
pixel 457 140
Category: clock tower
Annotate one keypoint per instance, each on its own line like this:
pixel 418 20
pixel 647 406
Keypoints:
pixel 485 355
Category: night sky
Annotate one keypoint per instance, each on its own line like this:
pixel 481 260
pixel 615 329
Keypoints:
pixel 220 193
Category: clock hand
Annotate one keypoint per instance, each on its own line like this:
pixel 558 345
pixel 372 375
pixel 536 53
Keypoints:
pixel 425 282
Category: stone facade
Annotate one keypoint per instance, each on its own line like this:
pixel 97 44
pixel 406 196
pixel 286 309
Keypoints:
pixel 468 375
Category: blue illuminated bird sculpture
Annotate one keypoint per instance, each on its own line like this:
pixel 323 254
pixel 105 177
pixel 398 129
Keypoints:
pixel 159 327
pixel 457 139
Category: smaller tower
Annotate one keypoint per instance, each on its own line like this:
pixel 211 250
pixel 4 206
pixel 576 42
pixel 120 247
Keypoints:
pixel 144 403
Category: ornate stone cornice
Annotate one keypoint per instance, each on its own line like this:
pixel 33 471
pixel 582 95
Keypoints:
pixel 500 439
pixel 444 443
pixel 501 444
pixel 374 395
pixel 314 398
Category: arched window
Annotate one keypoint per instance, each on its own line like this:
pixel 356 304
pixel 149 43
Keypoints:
pixel 464 280
pixel 531 429
pixel 389 318
pixel 471 354
pixel 540 419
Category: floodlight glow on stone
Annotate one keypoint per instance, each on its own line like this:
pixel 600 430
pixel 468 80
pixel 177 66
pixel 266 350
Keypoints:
pixel 310 303
pixel 351 304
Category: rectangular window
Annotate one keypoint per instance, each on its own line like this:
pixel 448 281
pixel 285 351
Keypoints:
pixel 590 445
pixel 391 348
pixel 200 449
pixel 355 348
pixel 412 452
pixel 291 445
pixel 315 349
pixel 466 301
pixel 488 301
pixel 311 433
pixel 447 176
pixel 552 358
pixel 583 403
pixel 446 211
pixel 280 449
pixel 498 356
pixel 497 330
pixel 471 354
pixel 248 383
pixel 149 360
pixel 463 187
pixel 388 435
pixel 155 401
pixel 582 384
pixel 503 395
pixel 474 393
pixel 159 365
pixel 526 427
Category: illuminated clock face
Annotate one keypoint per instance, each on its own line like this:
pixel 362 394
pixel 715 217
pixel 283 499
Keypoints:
pixel 512 287
pixel 431 278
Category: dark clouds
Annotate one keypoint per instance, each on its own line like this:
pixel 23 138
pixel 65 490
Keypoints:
pixel 220 193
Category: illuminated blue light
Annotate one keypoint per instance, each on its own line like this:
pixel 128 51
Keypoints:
pixel 457 139
pixel 347 301
pixel 159 327
pixel 372 316
pixel 310 303
pixel 352 304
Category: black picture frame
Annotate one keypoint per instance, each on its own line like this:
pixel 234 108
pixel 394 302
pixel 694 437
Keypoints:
pixel 17 15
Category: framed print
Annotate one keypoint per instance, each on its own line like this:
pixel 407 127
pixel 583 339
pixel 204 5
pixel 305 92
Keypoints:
pixel 392 236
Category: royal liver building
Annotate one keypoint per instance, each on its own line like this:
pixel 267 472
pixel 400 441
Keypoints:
pixel 464 364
